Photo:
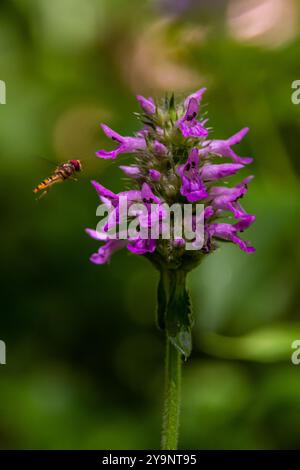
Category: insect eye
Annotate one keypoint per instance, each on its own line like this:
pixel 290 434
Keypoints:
pixel 76 164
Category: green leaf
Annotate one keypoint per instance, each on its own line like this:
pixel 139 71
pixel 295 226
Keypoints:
pixel 183 342
pixel 179 319
pixel 172 109
pixel 166 101
pixel 174 313
pixel 172 102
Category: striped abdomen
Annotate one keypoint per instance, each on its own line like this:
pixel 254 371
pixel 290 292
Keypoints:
pixel 48 182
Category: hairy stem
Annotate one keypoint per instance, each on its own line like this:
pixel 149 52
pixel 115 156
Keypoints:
pixel 172 398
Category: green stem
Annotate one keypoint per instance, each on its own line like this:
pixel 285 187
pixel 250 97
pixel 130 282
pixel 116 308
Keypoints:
pixel 172 398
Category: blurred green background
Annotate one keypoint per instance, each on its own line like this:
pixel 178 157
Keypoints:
pixel 84 360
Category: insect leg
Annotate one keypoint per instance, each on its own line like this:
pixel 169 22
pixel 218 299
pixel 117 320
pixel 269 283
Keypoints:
pixel 43 194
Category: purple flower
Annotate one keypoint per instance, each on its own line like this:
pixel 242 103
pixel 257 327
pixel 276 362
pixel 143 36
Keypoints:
pixel 208 212
pixel 105 252
pixel 104 192
pixel 192 186
pixel 147 104
pixel 215 172
pixel 225 198
pixel 155 175
pixel 223 147
pixel 159 148
pixel 179 242
pixel 96 235
pixel 131 171
pixel 111 200
pixel 155 212
pixel 148 197
pixel 197 95
pixel 126 144
pixel 229 232
pixel 141 246
pixel 188 124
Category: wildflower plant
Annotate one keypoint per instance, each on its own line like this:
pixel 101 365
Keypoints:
pixel 175 162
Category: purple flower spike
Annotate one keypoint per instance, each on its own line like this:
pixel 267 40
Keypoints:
pixel 216 172
pixel 174 163
pixel 155 175
pixel 192 185
pixel 223 147
pixel 131 171
pixel 147 104
pixel 188 124
pixel 176 211
pixel 126 144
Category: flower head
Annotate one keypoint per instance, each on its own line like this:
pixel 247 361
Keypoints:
pixel 175 162
pixel 188 124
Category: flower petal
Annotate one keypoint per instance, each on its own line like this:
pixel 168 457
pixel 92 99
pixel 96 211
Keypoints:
pixel 147 104
pixel 102 191
pixel 236 138
pixel 197 96
pixel 97 235
pixel 105 252
pixel 142 246
pixel 155 175
pixel 192 186
pixel 131 171
pixel 159 148
pixel 215 172
pixel 111 133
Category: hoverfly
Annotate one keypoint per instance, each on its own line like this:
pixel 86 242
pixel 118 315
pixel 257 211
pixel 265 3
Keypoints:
pixel 61 173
